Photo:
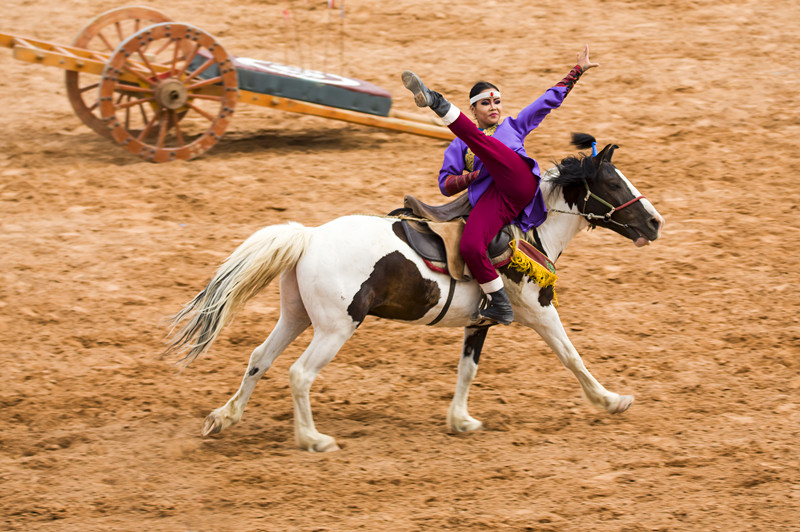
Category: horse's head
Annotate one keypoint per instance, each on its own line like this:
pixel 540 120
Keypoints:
pixel 605 197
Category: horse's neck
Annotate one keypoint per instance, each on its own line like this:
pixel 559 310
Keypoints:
pixel 559 228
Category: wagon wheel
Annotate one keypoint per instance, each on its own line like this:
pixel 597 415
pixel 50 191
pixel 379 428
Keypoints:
pixel 104 34
pixel 169 84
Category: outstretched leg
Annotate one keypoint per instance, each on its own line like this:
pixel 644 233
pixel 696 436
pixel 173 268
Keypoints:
pixel 293 321
pixel 458 418
pixel 546 322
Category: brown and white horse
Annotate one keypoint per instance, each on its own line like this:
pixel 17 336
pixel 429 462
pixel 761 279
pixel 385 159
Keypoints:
pixel 335 275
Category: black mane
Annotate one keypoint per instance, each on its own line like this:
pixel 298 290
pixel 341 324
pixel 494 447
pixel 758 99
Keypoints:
pixel 573 171
pixel 576 172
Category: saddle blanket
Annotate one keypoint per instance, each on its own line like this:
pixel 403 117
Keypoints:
pixel 520 256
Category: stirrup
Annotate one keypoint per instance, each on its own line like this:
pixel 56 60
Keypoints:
pixel 481 321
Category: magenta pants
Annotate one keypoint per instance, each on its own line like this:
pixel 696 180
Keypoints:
pixel 513 187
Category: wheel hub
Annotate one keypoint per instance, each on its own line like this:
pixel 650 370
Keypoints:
pixel 171 94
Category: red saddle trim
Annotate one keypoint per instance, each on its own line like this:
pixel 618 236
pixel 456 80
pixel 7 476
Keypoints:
pixel 536 255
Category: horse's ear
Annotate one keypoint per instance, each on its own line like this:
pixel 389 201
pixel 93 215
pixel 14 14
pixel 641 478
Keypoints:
pixel 604 155
pixel 610 153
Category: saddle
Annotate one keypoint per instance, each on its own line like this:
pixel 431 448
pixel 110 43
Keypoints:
pixel 434 232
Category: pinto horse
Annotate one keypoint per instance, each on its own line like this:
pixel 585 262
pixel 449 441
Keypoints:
pixel 335 275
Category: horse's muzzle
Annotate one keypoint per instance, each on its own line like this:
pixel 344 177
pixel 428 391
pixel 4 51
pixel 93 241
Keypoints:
pixel 651 232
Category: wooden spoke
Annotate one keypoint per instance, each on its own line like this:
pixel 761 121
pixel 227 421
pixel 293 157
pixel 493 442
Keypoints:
pixel 122 87
pixel 204 83
pixel 90 87
pixel 136 72
pixel 147 63
pixel 175 56
pixel 162 127
pixel 134 102
pixel 119 31
pixel 143 112
pixel 147 128
pixel 200 111
pixel 187 62
pixel 210 61
pixel 178 131
pixel 211 97
pixel 105 41
pixel 164 46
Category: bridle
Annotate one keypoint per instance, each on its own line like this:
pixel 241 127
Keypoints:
pixel 590 217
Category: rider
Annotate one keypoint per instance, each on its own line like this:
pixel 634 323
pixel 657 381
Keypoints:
pixel 490 160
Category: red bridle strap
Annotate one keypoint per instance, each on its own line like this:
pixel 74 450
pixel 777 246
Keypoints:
pixel 631 202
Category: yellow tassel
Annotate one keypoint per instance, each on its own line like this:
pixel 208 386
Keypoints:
pixel 523 263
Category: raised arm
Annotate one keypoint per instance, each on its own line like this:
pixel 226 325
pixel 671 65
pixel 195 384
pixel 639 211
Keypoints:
pixel 529 118
pixel 583 65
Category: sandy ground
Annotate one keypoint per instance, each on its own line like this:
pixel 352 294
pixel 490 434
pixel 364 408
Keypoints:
pixel 99 247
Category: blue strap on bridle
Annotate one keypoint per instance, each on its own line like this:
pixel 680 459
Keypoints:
pixel 594 149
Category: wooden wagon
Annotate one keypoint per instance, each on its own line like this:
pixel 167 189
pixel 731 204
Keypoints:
pixel 167 90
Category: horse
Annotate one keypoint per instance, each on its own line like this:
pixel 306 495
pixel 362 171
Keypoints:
pixel 335 275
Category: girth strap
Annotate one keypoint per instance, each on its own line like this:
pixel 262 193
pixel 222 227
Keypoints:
pixel 446 306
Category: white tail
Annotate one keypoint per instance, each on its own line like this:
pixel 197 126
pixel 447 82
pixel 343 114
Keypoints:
pixel 253 265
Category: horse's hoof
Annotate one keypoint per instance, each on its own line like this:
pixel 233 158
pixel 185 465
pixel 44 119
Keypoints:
pixel 212 425
pixel 624 403
pixel 468 425
pixel 325 446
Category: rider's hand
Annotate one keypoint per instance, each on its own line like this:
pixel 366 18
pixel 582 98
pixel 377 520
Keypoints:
pixel 583 60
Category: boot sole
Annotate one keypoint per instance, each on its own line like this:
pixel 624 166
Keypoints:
pixel 500 322
pixel 412 82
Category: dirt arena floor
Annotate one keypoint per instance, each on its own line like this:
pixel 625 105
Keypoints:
pixel 98 248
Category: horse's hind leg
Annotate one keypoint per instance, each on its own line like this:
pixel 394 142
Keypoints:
pixel 323 347
pixel 458 418
pixel 293 321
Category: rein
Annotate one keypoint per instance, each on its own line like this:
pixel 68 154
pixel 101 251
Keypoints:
pixel 605 217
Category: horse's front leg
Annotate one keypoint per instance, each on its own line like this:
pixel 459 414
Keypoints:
pixel 458 418
pixel 545 321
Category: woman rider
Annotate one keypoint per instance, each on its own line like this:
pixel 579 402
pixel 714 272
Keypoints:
pixel 490 160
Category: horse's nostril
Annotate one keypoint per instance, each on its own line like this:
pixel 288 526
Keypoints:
pixel 655 223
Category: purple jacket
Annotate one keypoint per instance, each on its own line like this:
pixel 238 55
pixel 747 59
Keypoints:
pixel 512 133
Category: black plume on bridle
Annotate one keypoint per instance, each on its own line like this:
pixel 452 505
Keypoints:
pixel 583 141
pixel 573 171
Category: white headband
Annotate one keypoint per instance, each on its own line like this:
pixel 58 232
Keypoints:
pixel 484 95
